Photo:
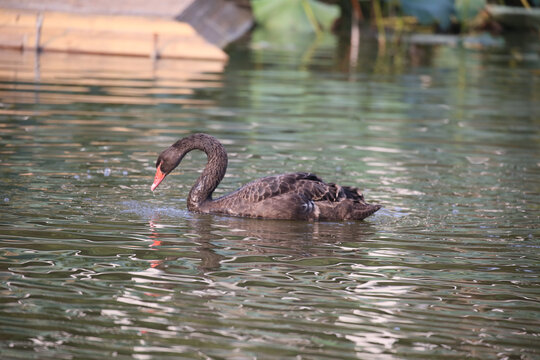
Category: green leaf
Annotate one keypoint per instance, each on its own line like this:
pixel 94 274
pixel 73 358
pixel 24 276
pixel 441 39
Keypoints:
pixel 294 15
pixel 467 10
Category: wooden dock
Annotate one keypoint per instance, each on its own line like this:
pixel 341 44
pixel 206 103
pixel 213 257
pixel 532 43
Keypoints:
pixel 129 28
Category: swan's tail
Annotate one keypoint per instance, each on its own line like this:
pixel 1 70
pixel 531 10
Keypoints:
pixel 362 212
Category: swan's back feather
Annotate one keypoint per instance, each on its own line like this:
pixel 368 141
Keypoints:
pixel 295 195
pixel 276 185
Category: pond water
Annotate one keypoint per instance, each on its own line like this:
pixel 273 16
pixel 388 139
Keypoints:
pixel 94 265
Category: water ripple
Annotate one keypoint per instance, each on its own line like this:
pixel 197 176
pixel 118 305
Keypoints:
pixel 93 264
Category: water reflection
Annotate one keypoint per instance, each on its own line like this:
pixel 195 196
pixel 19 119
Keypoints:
pixel 264 241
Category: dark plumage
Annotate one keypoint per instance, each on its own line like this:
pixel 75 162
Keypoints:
pixel 302 196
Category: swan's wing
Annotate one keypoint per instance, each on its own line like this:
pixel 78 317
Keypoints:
pixel 295 196
pixel 275 185
pixel 307 185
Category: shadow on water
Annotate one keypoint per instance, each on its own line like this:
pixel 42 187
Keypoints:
pixel 248 237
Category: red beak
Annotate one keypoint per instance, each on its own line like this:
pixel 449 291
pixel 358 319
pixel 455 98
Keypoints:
pixel 158 178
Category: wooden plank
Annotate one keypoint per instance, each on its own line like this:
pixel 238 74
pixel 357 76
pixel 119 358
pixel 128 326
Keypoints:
pixel 160 8
pixel 104 34
pixel 218 21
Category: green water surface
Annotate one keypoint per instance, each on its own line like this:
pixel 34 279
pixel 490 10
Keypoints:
pixel 93 265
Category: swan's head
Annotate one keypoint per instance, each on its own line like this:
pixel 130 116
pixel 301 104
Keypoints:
pixel 166 162
pixel 169 159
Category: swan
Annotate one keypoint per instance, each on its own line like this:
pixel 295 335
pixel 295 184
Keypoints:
pixel 293 196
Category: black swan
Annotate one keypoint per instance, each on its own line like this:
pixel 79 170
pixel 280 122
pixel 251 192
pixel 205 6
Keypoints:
pixel 301 196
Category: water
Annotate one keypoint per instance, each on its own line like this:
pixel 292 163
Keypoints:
pixel 95 265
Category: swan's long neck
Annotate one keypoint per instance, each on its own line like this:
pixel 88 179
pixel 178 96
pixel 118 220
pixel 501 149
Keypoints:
pixel 213 172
